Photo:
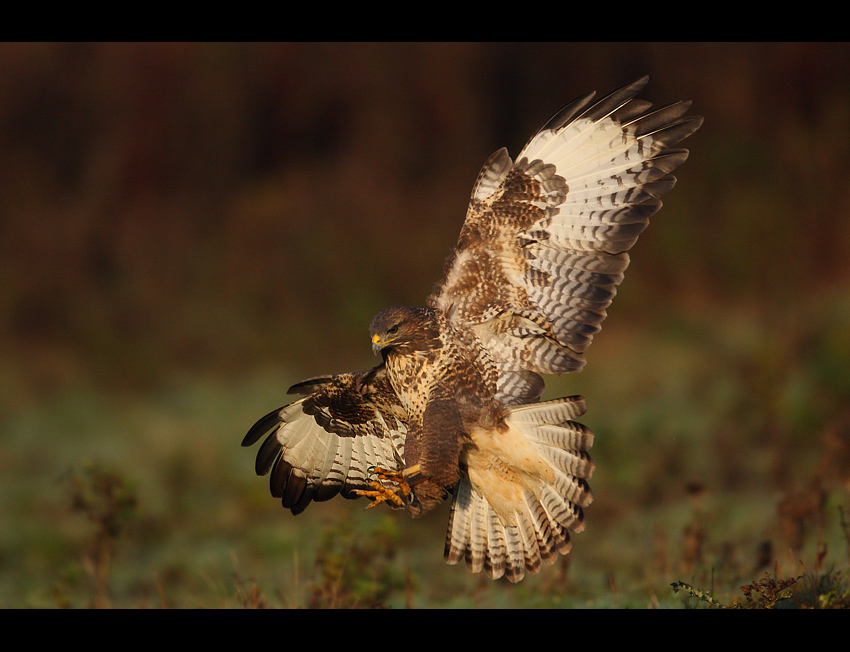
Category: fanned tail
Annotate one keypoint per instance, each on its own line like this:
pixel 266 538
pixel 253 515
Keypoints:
pixel 511 538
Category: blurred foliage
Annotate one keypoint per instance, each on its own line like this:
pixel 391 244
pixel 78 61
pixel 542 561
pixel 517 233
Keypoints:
pixel 108 503
pixel 214 206
pixel 186 229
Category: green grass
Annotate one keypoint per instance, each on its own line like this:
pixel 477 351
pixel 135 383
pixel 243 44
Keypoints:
pixel 723 453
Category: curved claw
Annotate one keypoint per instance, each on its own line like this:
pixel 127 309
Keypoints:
pixel 382 494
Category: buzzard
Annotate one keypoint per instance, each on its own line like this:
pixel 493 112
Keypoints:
pixel 454 406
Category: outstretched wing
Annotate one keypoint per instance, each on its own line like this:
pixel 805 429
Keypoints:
pixel 544 243
pixel 325 443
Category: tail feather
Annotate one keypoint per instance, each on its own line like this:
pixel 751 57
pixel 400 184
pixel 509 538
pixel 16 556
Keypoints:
pixel 537 530
pixel 497 545
pixel 479 534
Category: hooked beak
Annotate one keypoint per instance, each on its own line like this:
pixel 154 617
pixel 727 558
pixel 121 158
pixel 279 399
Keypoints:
pixel 379 343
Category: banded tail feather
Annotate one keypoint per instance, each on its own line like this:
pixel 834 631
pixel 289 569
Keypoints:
pixel 512 537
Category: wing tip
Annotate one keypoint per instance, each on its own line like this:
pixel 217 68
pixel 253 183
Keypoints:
pixel 310 385
pixel 261 427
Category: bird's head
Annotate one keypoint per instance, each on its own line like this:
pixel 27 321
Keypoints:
pixel 395 327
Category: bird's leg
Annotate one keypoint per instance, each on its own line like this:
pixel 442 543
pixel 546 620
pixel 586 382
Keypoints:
pixel 380 493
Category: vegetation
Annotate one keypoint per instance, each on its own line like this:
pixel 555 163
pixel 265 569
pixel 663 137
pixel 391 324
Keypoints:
pixel 825 592
pixel 150 502
pixel 188 229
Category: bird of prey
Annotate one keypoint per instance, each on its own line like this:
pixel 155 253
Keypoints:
pixel 454 406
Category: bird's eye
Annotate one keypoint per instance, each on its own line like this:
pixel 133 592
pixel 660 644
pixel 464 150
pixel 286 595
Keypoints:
pixel 393 330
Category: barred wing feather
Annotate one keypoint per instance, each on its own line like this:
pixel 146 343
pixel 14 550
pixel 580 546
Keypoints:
pixel 325 443
pixel 545 240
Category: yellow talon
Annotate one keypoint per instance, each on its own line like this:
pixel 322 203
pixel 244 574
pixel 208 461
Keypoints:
pixel 381 494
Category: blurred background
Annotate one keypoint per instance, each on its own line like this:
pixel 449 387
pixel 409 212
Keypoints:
pixel 188 229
